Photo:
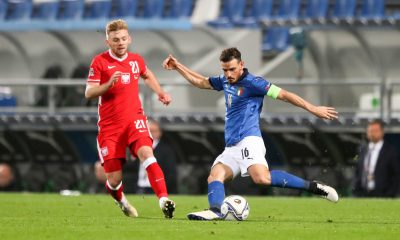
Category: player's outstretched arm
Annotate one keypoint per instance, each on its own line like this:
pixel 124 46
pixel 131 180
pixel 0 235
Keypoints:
pixel 151 81
pixel 94 90
pixel 196 79
pixel 320 111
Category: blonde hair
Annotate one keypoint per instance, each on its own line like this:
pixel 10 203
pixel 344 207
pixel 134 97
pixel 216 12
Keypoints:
pixel 115 25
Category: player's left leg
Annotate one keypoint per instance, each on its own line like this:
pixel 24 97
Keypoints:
pixel 277 178
pixel 253 163
pixel 142 149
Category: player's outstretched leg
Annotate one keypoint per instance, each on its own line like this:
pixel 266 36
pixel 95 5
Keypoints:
pixel 283 179
pixel 120 200
pixel 324 191
pixel 216 195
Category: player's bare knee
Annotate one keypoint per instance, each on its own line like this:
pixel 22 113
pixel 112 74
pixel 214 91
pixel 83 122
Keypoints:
pixel 114 179
pixel 261 180
pixel 144 157
pixel 220 173
pixel 211 178
pixel 113 182
pixel 144 153
pixel 219 176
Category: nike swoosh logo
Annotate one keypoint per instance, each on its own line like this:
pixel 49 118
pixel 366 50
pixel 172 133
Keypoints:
pixel 157 180
pixel 111 67
pixel 285 182
pixel 142 130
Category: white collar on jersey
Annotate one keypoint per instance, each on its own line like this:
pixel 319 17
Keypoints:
pixel 117 58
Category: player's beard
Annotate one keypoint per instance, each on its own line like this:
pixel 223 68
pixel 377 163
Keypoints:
pixel 231 80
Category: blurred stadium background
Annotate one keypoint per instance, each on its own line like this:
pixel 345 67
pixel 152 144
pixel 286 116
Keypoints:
pixel 342 53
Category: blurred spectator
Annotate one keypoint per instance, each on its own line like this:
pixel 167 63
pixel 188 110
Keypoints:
pixel 378 171
pixel 166 158
pixel 8 178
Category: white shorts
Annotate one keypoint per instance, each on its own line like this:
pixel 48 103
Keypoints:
pixel 249 151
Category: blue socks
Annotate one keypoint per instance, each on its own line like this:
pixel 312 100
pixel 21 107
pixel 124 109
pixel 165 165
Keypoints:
pixel 283 179
pixel 216 195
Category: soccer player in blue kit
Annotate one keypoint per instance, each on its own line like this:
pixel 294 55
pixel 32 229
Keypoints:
pixel 245 150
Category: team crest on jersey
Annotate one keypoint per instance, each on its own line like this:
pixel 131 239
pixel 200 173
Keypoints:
pixel 239 92
pixel 104 151
pixel 126 78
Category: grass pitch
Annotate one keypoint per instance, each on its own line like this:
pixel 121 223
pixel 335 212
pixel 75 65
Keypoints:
pixel 51 216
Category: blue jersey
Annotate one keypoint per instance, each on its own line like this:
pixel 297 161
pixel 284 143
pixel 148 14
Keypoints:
pixel 243 101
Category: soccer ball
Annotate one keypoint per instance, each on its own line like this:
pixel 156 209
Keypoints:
pixel 235 208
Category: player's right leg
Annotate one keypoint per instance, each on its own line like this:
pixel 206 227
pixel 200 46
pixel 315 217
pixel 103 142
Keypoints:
pixel 216 193
pixel 113 169
pixel 142 148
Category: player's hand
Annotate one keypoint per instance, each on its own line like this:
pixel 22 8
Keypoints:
pixel 323 112
pixel 114 78
pixel 165 98
pixel 170 63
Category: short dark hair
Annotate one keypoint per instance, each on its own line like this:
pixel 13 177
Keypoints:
pixel 229 54
pixel 377 121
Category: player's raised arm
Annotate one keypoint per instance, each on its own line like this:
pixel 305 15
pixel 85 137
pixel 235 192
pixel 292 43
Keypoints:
pixel 151 81
pixel 94 89
pixel 320 111
pixel 196 79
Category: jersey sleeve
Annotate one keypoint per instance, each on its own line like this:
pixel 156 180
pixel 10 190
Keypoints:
pixel 263 87
pixel 142 65
pixel 95 69
pixel 216 83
